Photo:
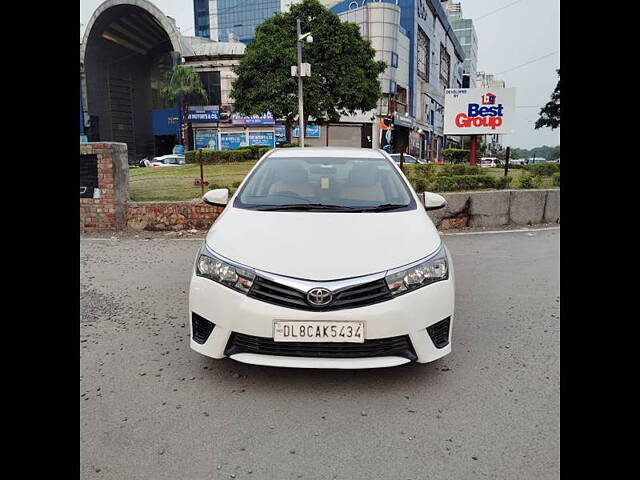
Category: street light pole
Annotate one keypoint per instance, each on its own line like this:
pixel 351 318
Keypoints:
pixel 300 97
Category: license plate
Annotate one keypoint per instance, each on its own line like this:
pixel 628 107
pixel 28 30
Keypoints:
pixel 295 331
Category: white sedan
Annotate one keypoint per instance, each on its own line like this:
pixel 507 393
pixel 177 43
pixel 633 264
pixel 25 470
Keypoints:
pixel 168 161
pixel 297 271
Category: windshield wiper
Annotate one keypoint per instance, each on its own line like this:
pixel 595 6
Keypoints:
pixel 307 206
pixel 384 207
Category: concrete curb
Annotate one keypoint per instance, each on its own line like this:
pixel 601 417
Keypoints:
pixel 498 208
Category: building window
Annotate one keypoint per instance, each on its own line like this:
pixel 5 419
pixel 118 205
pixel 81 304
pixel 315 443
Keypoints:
pixel 392 87
pixel 394 60
pixel 211 83
pixel 444 66
pixel 423 55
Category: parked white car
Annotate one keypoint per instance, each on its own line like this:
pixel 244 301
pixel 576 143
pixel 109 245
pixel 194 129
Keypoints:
pixel 168 161
pixel 407 158
pixel 323 258
pixel 486 162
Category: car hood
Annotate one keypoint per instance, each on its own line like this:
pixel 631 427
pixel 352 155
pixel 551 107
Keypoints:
pixel 323 245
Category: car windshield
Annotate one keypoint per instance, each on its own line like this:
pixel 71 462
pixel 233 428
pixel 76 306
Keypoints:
pixel 171 161
pixel 325 184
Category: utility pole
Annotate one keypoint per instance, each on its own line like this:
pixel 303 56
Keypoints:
pixel 506 161
pixel 299 72
pixel 300 97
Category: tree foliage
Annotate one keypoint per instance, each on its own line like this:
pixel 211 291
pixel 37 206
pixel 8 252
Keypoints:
pixel 344 74
pixel 184 86
pixel 550 113
pixel 550 153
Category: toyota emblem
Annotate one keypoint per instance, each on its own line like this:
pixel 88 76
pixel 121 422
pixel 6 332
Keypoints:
pixel 319 297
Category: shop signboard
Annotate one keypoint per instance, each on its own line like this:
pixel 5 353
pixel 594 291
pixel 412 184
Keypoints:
pixel 479 111
pixel 266 139
pixel 251 120
pixel 402 120
pixel 164 121
pixel 231 141
pixel 204 114
pixel 310 131
pixel 206 138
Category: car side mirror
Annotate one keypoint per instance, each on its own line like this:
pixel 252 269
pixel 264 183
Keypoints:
pixel 433 201
pixel 217 197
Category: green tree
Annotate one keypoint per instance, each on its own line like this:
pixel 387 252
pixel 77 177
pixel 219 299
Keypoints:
pixel 550 113
pixel 184 87
pixel 344 74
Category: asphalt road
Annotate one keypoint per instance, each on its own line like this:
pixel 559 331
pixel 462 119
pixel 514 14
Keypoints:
pixel 151 408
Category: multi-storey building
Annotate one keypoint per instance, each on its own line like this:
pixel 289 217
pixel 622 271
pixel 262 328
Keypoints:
pixel 236 20
pixel 466 33
pixel 434 59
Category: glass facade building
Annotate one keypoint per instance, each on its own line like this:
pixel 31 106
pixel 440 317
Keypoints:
pixel 466 33
pixel 239 18
pixel 201 18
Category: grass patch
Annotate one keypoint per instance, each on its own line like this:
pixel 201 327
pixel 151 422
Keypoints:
pixel 177 183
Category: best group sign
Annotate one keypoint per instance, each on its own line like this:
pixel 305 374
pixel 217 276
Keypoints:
pixel 479 111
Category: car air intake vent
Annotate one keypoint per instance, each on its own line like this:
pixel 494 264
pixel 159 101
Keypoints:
pixel 382 347
pixel 201 328
pixel 350 297
pixel 439 332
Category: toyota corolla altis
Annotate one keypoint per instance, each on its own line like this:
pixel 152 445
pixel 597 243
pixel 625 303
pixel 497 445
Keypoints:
pixel 323 258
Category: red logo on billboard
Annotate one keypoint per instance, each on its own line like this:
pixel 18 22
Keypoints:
pixel 488 99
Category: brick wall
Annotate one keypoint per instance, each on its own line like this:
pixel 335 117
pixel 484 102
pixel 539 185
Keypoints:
pixel 159 216
pixel 110 211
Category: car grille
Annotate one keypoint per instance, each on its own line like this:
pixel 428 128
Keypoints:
pixel 350 297
pixel 383 347
pixel 439 332
pixel 201 328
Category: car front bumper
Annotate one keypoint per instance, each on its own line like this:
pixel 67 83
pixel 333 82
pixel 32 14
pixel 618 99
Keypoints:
pixel 406 315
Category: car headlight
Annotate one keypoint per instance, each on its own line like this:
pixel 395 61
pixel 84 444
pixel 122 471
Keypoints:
pixel 433 269
pixel 210 266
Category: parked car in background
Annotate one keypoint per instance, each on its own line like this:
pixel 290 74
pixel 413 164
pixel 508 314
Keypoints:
pixel 407 158
pixel 168 161
pixel 486 162
pixel 361 293
pixel 517 161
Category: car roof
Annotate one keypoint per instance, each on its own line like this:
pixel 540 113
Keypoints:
pixel 329 152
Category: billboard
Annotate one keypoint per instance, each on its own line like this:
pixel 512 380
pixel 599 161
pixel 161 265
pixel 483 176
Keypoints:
pixel 479 111
pixel 206 138
pixel 231 141
pixel 266 139
pixel 280 132
pixel 310 131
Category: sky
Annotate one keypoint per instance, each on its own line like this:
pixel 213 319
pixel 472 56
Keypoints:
pixel 510 34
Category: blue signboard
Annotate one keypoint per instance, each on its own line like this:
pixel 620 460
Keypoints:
pixel 165 121
pixel 280 132
pixel 231 141
pixel 262 138
pixel 178 150
pixel 310 131
pixel 204 114
pixel 264 119
pixel 206 138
